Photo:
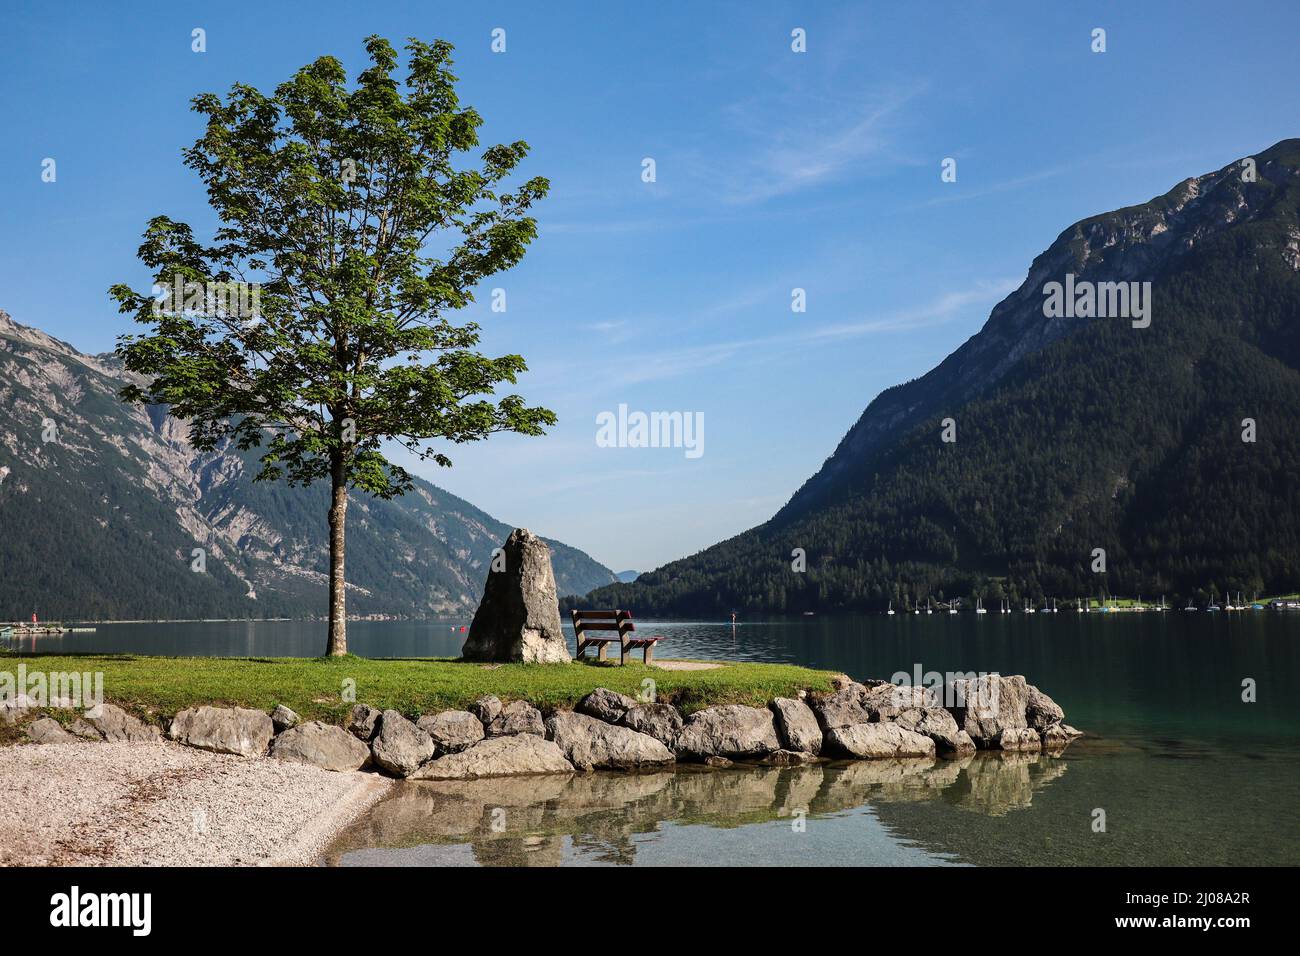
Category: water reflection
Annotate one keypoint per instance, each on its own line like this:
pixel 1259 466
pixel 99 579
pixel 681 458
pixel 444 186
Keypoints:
pixel 607 817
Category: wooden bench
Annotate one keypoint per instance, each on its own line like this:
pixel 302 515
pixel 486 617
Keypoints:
pixel 591 627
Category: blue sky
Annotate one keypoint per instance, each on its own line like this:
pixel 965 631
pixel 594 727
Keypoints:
pixel 775 170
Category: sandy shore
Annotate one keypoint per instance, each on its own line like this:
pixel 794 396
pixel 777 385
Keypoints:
pixel 161 804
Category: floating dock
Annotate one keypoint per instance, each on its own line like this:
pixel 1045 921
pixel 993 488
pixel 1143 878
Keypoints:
pixel 21 629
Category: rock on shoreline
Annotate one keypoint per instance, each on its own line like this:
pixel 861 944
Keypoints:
pixel 608 730
pixel 497 757
pixel 588 742
pixel 321 745
pixel 733 731
pixel 224 730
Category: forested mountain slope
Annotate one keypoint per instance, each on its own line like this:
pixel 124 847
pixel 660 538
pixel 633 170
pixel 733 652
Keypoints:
pixel 102 504
pixel 1072 434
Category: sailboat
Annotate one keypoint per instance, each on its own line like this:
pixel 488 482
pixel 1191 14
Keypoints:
pixel 1053 605
pixel 1029 608
pixel 1190 605
pixel 1006 606
pixel 1212 606
pixel 979 606
pixel 890 612
pixel 928 609
pixel 1079 607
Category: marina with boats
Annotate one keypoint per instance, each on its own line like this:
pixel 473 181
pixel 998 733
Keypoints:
pixel 1097 605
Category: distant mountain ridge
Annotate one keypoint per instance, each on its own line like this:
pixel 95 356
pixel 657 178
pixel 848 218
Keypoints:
pixel 102 505
pixel 1072 434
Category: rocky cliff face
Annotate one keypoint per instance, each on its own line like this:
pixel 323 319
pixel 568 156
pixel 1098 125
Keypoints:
pixel 1140 242
pixel 102 506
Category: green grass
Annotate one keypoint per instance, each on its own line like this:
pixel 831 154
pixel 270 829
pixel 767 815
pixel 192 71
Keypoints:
pixel 160 686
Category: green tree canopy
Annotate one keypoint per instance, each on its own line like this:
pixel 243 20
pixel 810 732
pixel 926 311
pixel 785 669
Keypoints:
pixel 315 324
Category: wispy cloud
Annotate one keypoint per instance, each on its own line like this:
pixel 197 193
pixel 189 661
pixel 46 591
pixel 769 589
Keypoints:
pixel 656 366
pixel 935 312
pixel 791 148
pixel 1006 185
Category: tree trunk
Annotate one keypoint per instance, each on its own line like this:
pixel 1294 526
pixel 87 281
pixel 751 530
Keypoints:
pixel 338 633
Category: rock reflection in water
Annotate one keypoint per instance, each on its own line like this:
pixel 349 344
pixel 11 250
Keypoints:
pixel 523 821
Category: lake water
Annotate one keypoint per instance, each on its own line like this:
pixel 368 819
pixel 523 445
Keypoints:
pixel 1184 770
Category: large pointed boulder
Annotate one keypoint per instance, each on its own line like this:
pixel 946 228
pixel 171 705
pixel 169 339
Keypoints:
pixel 519 616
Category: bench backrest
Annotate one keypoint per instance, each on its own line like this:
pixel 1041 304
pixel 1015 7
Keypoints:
pixel 620 621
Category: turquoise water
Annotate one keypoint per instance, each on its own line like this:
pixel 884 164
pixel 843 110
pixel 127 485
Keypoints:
pixel 1184 770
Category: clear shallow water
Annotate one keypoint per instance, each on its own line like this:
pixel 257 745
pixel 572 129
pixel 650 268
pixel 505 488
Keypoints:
pixel 1194 809
pixel 1186 772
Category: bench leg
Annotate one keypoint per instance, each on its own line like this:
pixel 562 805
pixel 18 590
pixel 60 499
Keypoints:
pixel 622 654
pixel 649 653
pixel 602 655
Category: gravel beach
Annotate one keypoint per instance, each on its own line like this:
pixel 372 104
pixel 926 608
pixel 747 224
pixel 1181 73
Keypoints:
pixel 161 804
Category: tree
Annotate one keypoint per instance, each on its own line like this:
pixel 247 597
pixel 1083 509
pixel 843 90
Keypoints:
pixel 314 327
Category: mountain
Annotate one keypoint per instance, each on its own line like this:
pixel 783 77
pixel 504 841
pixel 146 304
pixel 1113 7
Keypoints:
pixel 102 504
pixel 627 577
pixel 1072 434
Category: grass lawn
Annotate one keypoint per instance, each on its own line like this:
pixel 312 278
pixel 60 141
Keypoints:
pixel 314 687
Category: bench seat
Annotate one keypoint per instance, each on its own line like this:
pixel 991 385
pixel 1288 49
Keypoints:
pixel 600 628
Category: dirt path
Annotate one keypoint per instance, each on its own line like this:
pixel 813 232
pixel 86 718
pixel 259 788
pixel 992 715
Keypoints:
pixel 686 665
